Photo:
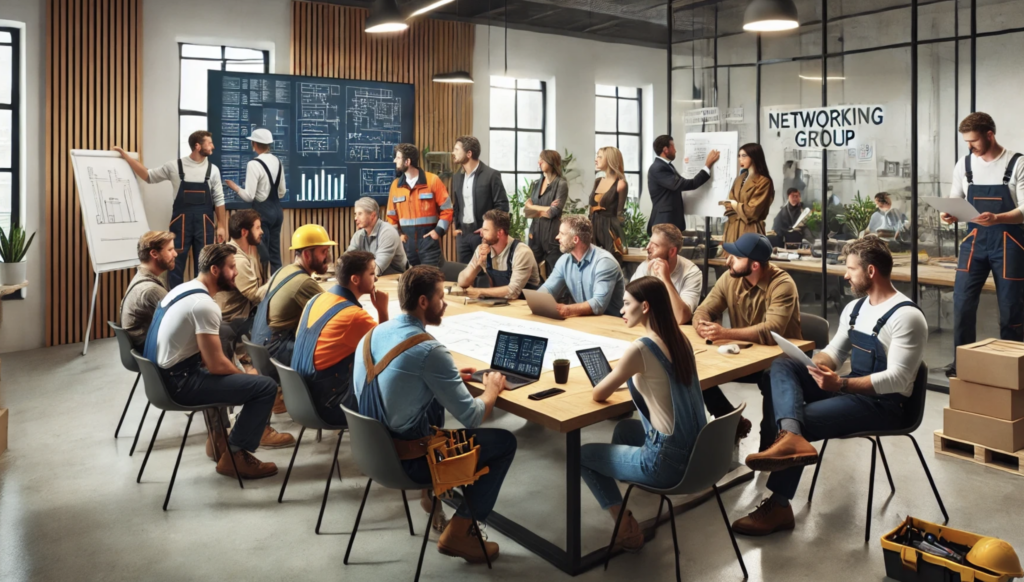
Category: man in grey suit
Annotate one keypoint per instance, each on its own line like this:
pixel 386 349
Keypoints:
pixel 475 190
pixel 666 185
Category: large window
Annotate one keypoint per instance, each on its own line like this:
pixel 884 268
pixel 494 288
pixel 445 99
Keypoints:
pixel 195 60
pixel 10 120
pixel 617 115
pixel 518 120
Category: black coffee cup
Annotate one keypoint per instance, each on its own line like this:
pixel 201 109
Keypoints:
pixel 561 371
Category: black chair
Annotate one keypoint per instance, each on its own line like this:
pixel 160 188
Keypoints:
pixel 913 410
pixel 451 272
pixel 814 328
pixel 124 346
pixel 160 397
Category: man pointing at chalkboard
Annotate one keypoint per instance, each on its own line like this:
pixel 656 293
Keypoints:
pixel 199 195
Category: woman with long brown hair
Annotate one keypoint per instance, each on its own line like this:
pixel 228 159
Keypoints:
pixel 545 205
pixel 751 196
pixel 608 202
pixel 661 374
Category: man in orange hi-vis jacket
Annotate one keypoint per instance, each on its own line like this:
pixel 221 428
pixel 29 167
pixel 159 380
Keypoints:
pixel 418 204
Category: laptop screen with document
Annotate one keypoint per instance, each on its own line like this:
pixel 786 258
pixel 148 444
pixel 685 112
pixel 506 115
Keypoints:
pixel 519 354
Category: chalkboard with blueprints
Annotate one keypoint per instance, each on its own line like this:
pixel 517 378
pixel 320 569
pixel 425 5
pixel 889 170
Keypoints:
pixel 335 137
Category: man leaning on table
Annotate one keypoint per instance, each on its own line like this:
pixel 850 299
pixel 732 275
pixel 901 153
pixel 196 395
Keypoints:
pixel 590 273
pixel 508 263
pixel 682 279
pixel 761 298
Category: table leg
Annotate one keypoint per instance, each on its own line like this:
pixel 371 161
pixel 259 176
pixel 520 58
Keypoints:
pixel 572 499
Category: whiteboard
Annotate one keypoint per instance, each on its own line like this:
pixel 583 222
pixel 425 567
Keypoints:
pixel 704 200
pixel 112 209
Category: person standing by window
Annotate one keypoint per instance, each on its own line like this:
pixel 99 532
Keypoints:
pixel 545 205
pixel 751 196
pixel 608 201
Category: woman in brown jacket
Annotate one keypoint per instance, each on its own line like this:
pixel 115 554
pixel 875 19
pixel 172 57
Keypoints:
pixel 751 196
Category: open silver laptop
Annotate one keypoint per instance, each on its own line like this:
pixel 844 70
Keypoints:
pixel 542 304
pixel 519 357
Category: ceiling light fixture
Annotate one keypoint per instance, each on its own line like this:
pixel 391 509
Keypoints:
pixel 430 6
pixel 770 15
pixel 818 78
pixel 454 76
pixel 385 17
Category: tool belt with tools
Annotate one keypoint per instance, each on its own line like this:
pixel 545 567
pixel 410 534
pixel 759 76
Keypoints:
pixel 451 456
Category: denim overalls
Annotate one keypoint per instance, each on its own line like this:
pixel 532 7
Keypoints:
pixel 191 221
pixel 332 386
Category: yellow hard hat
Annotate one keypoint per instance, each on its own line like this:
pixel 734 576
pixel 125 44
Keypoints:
pixel 996 556
pixel 310 235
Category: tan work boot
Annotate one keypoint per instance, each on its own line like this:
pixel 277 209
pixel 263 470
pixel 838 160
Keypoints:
pixel 789 450
pixel 279 407
pixel 630 537
pixel 768 518
pixel 276 440
pixel 460 540
pixel 248 466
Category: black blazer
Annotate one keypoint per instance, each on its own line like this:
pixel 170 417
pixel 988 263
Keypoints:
pixel 666 188
pixel 488 193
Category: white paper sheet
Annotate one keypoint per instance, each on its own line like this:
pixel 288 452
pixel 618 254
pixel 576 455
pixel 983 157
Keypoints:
pixel 792 351
pixel 704 200
pixel 958 207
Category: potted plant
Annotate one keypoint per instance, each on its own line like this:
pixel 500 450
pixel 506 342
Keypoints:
pixel 635 226
pixel 857 214
pixel 13 249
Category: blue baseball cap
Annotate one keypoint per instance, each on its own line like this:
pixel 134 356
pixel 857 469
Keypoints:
pixel 750 246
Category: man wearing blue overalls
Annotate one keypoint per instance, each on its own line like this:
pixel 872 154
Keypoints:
pixel 992 180
pixel 884 339
pixel 509 264
pixel 264 188
pixel 198 197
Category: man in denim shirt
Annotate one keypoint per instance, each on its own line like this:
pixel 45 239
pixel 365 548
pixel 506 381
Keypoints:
pixel 417 387
pixel 590 273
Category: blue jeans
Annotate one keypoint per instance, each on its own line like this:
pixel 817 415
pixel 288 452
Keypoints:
pixel 497 449
pixel 624 460
pixel 824 415
pixel 976 262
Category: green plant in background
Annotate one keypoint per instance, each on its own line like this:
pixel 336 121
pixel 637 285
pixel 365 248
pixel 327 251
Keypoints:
pixel 516 203
pixel 813 222
pixel 572 206
pixel 635 225
pixel 13 248
pixel 857 214
pixel 569 171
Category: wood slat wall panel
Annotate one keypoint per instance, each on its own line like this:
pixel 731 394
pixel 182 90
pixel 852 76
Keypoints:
pixel 93 101
pixel 328 41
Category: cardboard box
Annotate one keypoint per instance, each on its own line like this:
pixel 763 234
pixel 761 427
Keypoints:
pixel 989 432
pixel 3 430
pixel 992 362
pixel 986 400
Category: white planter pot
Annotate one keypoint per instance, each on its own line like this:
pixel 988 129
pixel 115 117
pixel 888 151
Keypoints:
pixel 13 273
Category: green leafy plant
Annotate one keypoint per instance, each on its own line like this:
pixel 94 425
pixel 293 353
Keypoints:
pixel 813 222
pixel 516 203
pixel 569 171
pixel 13 248
pixel 857 214
pixel 635 225
pixel 572 206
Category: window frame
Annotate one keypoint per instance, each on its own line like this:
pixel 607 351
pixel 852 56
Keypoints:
pixel 638 134
pixel 224 61
pixel 516 171
pixel 16 119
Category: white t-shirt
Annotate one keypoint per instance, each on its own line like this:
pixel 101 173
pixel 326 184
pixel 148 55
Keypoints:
pixel 987 173
pixel 686 278
pixel 194 172
pixel 655 386
pixel 199 313
pixel 903 338
pixel 257 182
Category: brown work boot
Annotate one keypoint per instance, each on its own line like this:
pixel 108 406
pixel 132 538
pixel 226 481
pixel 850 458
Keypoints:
pixel 279 407
pixel 460 540
pixel 276 440
pixel 789 450
pixel 768 518
pixel 248 466
pixel 630 537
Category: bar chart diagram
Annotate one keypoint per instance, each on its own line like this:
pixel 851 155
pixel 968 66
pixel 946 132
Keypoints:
pixel 321 185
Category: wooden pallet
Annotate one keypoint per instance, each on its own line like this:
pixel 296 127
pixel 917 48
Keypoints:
pixel 961 449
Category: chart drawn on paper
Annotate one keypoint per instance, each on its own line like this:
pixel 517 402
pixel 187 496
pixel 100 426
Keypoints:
pixel 373 124
pixel 704 200
pixel 375 181
pixel 113 195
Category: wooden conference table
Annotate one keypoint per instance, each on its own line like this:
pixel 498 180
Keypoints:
pixel 574 410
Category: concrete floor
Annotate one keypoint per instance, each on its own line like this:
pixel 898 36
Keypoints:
pixel 70 508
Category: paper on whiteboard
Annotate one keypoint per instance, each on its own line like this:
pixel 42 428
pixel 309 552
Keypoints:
pixel 474 334
pixel 112 208
pixel 704 200
pixel 957 207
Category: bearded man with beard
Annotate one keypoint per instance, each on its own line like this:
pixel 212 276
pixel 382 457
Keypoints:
pixel 156 257
pixel 238 304
pixel 883 334
pixel 588 274
pixel 761 298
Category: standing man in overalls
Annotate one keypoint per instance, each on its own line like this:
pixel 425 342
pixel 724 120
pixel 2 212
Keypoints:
pixel 198 197
pixel 264 188
pixel 992 180
pixel 884 340
pixel 418 204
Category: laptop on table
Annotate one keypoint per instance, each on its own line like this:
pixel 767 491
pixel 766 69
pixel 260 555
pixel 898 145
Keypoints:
pixel 542 304
pixel 519 357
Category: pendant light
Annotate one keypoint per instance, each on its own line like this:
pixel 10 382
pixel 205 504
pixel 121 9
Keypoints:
pixel 454 76
pixel 385 17
pixel 770 15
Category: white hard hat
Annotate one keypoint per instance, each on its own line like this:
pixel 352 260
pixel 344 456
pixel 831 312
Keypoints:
pixel 262 136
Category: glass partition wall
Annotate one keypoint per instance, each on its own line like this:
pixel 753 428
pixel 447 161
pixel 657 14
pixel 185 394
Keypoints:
pixel 926 63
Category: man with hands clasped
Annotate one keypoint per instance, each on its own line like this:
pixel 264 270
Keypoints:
pixel 509 264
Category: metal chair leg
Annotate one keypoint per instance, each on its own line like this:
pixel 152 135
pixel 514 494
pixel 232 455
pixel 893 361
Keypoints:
pixel 618 522
pixel 871 490
pixel 359 516
pixel 885 464
pixel 341 433
pixel 732 536
pixel 327 489
pixel 288 473
pixel 817 466
pixel 675 539
pixel 657 518
pixel 174 474
pixel 426 536
pixel 139 430
pixel 476 526
pixel 127 404
pixel 227 447
pixel 408 516
pixel 150 449
pixel 931 481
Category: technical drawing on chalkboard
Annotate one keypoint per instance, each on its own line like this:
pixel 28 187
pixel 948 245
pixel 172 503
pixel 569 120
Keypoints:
pixel 373 124
pixel 321 184
pixel 375 181
pixel 319 121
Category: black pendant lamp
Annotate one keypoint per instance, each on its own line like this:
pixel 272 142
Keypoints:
pixel 770 15
pixel 385 17
pixel 454 76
